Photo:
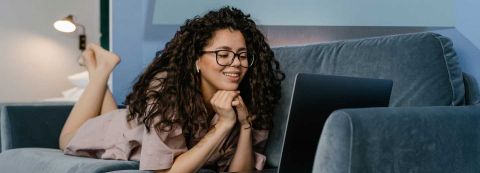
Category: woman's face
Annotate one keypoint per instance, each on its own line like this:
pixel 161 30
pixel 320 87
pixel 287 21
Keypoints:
pixel 213 75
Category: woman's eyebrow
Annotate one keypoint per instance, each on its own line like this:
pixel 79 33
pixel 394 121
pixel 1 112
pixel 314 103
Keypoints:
pixel 229 48
pixel 224 48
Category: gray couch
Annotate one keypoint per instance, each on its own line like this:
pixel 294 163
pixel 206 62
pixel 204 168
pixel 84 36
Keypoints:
pixel 431 124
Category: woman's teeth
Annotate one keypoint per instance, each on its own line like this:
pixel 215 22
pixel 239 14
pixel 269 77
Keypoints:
pixel 231 74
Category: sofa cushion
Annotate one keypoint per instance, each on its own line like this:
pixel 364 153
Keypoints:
pixel 48 160
pixel 423 66
pixel 53 160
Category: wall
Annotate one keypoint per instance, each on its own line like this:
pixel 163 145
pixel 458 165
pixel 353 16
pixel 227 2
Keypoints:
pixel 468 24
pixel 128 27
pixel 35 58
pixel 437 13
pixel 141 29
pixel 467 19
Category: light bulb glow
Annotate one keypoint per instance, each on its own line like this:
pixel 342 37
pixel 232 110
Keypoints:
pixel 64 26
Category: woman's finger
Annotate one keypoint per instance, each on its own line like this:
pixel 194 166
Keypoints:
pixel 221 98
pixel 235 103
pixel 214 98
pixel 230 96
pixel 240 100
pixel 218 100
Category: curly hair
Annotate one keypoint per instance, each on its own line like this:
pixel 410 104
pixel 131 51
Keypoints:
pixel 177 99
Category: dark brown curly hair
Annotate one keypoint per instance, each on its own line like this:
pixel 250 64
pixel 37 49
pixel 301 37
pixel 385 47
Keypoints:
pixel 177 99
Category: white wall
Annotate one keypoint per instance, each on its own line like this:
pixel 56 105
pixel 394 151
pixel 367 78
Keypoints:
pixel 35 59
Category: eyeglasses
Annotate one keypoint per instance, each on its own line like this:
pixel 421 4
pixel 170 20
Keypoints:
pixel 226 57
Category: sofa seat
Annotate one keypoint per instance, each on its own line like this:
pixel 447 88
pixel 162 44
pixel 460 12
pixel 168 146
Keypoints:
pixel 53 160
pixel 41 160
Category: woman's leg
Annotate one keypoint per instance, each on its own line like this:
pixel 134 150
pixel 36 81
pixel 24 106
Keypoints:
pixel 109 103
pixel 90 102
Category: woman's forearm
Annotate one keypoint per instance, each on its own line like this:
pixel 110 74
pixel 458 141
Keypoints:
pixel 243 158
pixel 195 158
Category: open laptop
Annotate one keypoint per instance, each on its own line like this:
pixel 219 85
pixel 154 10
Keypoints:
pixel 314 97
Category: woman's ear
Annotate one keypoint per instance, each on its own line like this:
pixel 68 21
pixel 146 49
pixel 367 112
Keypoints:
pixel 197 64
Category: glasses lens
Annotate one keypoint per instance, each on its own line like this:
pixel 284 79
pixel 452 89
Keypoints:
pixel 224 57
pixel 246 59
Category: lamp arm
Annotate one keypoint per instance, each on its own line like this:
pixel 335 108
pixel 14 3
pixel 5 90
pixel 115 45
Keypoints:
pixel 83 37
pixel 83 27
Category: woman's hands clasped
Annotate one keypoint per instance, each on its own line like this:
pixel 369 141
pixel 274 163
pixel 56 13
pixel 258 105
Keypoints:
pixel 223 103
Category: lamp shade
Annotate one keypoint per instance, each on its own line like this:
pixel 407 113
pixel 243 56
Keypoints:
pixel 65 25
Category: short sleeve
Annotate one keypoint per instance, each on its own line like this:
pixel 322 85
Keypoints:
pixel 159 149
pixel 259 139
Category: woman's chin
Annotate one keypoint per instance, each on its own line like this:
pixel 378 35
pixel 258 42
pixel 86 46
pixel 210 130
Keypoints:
pixel 229 87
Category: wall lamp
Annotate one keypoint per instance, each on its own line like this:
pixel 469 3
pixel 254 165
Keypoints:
pixel 67 25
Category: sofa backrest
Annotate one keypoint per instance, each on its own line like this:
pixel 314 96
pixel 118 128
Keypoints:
pixel 423 66
pixel 472 94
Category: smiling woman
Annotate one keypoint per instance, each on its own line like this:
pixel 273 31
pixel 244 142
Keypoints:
pixel 206 100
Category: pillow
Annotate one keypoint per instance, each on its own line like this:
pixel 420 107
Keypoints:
pixel 79 79
pixel 73 93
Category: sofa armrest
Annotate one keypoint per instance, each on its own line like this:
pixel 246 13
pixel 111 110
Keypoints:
pixel 408 139
pixel 32 126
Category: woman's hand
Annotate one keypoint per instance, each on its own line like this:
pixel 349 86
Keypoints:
pixel 222 104
pixel 242 111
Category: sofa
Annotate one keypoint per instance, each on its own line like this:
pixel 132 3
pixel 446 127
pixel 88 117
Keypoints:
pixel 431 124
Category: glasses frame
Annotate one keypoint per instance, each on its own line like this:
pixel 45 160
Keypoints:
pixel 233 59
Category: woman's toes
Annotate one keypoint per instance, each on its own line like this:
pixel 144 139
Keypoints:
pixel 80 61
pixel 103 57
pixel 89 59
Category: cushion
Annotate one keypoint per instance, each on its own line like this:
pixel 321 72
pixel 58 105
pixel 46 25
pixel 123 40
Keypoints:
pixel 423 67
pixel 79 79
pixel 47 160
pixel 53 160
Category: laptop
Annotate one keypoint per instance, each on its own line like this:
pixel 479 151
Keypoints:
pixel 314 97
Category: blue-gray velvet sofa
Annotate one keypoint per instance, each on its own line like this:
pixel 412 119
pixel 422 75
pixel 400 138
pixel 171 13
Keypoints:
pixel 431 125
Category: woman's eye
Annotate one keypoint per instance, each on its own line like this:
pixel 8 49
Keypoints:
pixel 243 57
pixel 223 56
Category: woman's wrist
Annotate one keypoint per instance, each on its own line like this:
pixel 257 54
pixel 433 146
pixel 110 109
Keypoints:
pixel 245 125
pixel 224 124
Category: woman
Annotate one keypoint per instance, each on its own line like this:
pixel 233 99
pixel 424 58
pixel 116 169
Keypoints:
pixel 206 100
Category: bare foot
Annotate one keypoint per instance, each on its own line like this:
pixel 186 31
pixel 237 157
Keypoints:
pixel 89 61
pixel 105 61
pixel 80 61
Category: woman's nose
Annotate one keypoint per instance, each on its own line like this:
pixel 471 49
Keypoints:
pixel 236 61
